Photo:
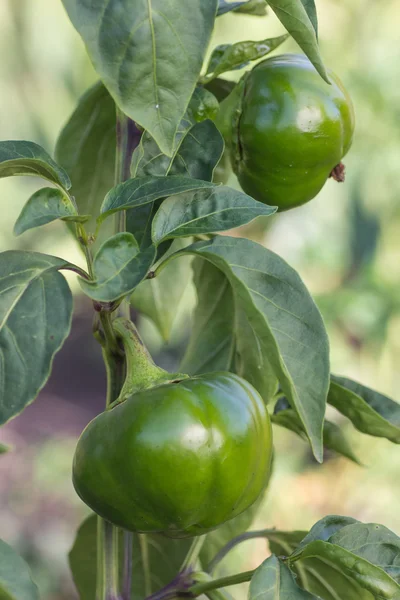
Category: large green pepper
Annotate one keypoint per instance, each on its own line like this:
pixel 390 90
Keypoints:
pixel 287 130
pixel 179 458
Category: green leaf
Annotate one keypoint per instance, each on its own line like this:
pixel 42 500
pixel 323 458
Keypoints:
pixel 339 573
pixel 324 529
pixel 283 543
pixel 148 159
pixel 35 319
pixel 220 339
pixel 206 211
pixel 370 412
pixel 311 10
pixel 374 542
pixel 44 206
pixel 277 317
pixel 144 190
pixel 296 21
pixel 118 268
pixel 334 438
pixel 156 560
pixel 224 7
pixel 257 8
pixel 4 449
pixel 203 105
pixel 27 158
pixel 213 341
pixel 86 149
pixel 83 559
pixel 199 153
pixel 235 56
pixel 15 576
pixel 149 54
pixel 160 298
pixel 273 580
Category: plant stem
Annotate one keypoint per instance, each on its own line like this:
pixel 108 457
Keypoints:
pixel 100 575
pixel 248 535
pixel 127 576
pixel 128 137
pixel 193 553
pixel 201 588
pixel 110 561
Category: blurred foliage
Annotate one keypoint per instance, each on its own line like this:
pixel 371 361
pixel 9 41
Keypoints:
pixel 345 244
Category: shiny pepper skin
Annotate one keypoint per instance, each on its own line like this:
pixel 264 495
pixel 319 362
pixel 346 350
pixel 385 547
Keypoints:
pixel 179 459
pixel 289 130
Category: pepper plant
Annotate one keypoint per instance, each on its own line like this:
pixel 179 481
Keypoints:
pixel 177 465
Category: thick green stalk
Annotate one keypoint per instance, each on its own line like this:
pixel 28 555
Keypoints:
pixel 202 588
pixel 141 371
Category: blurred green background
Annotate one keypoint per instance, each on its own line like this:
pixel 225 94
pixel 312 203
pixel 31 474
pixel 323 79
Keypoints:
pixel 345 244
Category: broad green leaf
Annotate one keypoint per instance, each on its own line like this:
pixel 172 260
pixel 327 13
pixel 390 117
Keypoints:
pixel 35 319
pixel 118 267
pixel 257 8
pixel 283 543
pixel 338 573
pixel 199 153
pixel 273 580
pixel 311 10
pixel 220 339
pixel 296 21
pixel 224 7
pixel 203 105
pixel 44 206
pixel 27 158
pixel 212 342
pixel 149 54
pixel 86 149
pixel 160 298
pixel 147 159
pixel 156 560
pixel 15 577
pixel 324 529
pixel 4 449
pixel 206 211
pixel 229 57
pixel 370 412
pixel 374 542
pixel 334 438
pixel 83 559
pixel 278 317
pixel 144 190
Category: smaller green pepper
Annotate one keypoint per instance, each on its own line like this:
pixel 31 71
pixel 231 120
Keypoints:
pixel 287 130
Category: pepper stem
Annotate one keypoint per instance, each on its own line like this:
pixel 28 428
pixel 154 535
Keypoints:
pixel 141 371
